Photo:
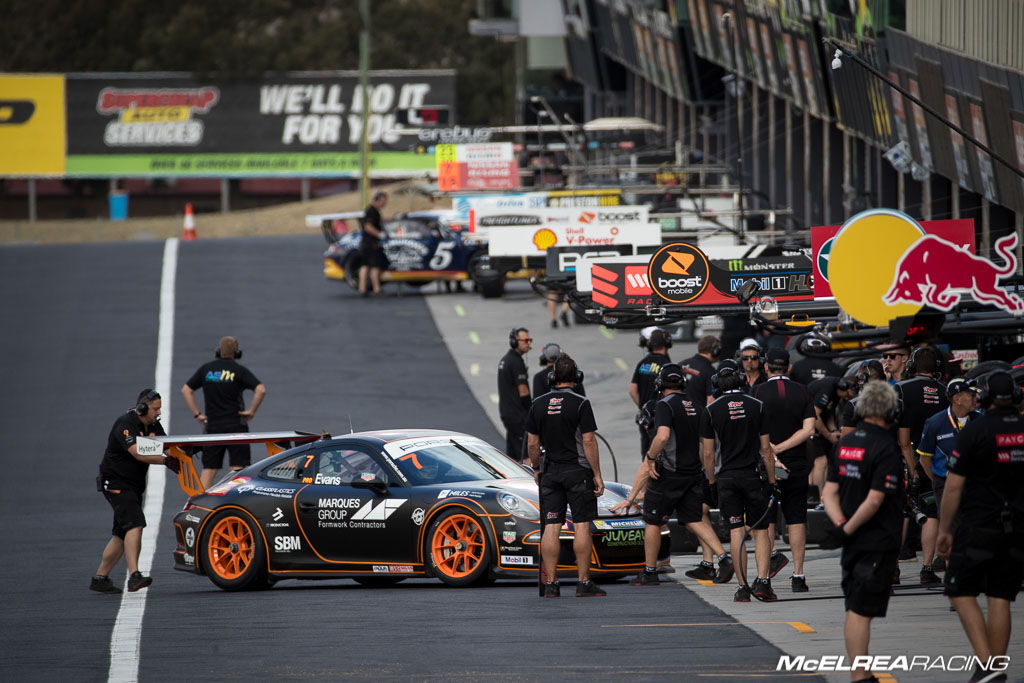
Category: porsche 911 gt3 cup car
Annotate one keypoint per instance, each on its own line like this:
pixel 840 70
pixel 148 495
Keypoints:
pixel 379 507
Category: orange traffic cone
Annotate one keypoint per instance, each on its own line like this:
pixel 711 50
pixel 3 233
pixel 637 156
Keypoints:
pixel 189 231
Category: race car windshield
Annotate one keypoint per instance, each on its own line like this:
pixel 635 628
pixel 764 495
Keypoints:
pixel 449 463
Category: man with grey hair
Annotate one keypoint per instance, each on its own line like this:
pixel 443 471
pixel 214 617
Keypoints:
pixel 862 498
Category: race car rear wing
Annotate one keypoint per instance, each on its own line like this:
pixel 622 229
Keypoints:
pixel 188 478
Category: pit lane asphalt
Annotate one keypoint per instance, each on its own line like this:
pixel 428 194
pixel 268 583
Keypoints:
pixel 80 342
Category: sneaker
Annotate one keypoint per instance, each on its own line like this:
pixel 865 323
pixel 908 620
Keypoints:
pixel 552 590
pixel 646 578
pixel 725 570
pixel 588 589
pixel 776 563
pixel 665 566
pixel 907 555
pixel 820 507
pixel 702 572
pixel 565 319
pixel 103 584
pixel 799 584
pixel 983 676
pixel 554 324
pixel 896 577
pixel 939 565
pixel 137 581
pixel 762 590
pixel 742 594
pixel 928 576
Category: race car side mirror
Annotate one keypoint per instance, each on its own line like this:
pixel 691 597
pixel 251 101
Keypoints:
pixel 375 484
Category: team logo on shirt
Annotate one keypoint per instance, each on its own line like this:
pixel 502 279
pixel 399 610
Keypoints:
pixel 850 453
pixel 892 482
pixel 555 406
pixel 1012 448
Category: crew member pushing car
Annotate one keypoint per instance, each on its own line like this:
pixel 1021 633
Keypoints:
pixel 223 381
pixel 562 423
pixel 122 481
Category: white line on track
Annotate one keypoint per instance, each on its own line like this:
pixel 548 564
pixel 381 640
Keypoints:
pixel 126 638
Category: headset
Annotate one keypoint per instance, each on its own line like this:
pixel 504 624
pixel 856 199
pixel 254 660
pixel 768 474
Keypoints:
pixel 863 376
pixel 844 384
pixel 670 374
pixel 911 368
pixel 723 372
pixel 895 414
pixel 551 374
pixel 142 407
pixel 513 336
pixel 716 349
pixel 985 395
pixel 748 347
pixel 663 340
pixel 237 354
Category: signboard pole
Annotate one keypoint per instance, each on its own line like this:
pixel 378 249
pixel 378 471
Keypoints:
pixel 364 89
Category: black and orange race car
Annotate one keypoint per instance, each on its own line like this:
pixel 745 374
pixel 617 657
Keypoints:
pixel 380 507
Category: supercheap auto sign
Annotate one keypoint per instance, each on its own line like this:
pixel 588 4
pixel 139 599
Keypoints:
pixel 31 125
pixel 301 124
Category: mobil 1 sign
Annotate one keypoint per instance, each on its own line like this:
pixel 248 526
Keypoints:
pixel 531 232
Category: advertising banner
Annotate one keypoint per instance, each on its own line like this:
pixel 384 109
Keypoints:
pixel 299 124
pixel 532 232
pixel 31 125
pixel 485 166
pixel 469 206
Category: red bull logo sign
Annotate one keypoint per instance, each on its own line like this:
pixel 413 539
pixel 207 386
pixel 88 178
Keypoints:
pixel 884 265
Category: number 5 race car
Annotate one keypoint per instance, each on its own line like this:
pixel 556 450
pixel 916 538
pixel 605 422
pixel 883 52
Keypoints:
pixel 380 507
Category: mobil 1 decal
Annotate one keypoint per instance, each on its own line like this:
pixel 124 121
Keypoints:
pixel 678 272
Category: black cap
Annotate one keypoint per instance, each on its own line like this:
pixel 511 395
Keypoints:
pixel 777 357
pixel 958 385
pixel 1001 386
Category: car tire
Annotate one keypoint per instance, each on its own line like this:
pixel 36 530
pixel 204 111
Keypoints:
pixel 458 551
pixel 378 581
pixel 352 265
pixel 232 551
pixel 488 281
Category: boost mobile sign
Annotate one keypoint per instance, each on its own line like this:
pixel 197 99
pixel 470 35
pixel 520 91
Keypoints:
pixel 531 232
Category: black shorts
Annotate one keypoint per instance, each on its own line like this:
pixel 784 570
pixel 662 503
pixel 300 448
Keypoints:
pixel 820 447
pixel 867 579
pixel 128 513
pixel 742 500
pixel 239 455
pixel 707 498
pixel 373 257
pixel 567 487
pixel 794 497
pixel 515 439
pixel 671 494
pixel 939 485
pixel 926 495
pixel 984 561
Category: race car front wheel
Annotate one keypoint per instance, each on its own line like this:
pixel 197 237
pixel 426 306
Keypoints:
pixel 233 552
pixel 457 548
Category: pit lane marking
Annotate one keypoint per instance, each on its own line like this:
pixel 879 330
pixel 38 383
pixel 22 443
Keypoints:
pixel 798 626
pixel 606 332
pixel 474 369
pixel 474 337
pixel 494 399
pixel 460 311
pixel 621 364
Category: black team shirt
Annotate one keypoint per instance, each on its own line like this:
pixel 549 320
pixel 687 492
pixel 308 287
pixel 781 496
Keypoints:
pixel 990 455
pixel 682 450
pixel 868 459
pixel 371 216
pixel 646 372
pixel 786 405
pixel 807 370
pixel 223 380
pixel 511 373
pixel 736 419
pixel 922 397
pixel 698 378
pixel 826 397
pixel 560 418
pixel 118 467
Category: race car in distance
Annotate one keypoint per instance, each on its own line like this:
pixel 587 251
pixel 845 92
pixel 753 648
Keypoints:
pixel 383 506
pixel 420 247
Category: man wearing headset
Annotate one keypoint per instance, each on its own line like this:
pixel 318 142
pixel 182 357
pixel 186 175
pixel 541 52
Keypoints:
pixel 641 385
pixel 868 371
pixel 736 421
pixel 863 501
pixel 699 369
pixel 542 378
pixel 562 423
pixel 985 494
pixel 752 364
pixel 122 482
pixel 514 392
pixel 223 381
pixel 922 396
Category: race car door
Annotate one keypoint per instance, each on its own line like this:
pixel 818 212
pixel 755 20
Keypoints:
pixel 347 522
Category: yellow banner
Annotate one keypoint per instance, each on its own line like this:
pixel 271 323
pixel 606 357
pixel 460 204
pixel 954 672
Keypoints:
pixel 32 129
pixel 155 114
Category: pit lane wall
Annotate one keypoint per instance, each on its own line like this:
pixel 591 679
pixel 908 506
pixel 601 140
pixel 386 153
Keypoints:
pixel 302 124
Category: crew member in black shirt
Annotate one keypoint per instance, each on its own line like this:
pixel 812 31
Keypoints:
pixel 371 253
pixel 789 414
pixel 641 385
pixel 223 381
pixel 562 423
pixel 985 494
pixel 736 421
pixel 673 476
pixel 811 368
pixel 830 395
pixel 542 378
pixel 862 499
pixel 699 370
pixel 751 360
pixel 514 392
pixel 122 481
pixel 868 371
pixel 923 396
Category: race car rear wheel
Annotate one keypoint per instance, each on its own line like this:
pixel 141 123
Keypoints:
pixel 233 552
pixel 457 548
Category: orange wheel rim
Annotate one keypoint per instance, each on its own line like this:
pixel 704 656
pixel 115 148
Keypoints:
pixel 230 548
pixel 458 546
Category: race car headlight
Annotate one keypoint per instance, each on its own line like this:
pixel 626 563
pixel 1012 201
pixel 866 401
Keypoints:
pixel 518 506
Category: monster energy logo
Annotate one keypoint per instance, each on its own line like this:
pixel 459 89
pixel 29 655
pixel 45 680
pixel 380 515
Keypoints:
pixel 736 264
